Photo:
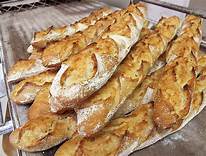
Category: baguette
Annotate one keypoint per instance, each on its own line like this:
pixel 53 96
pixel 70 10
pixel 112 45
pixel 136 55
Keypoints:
pixel 42 38
pixel 25 91
pixel 26 68
pixel 59 51
pixel 97 110
pixel 143 94
pixel 152 121
pixel 84 73
pixel 43 132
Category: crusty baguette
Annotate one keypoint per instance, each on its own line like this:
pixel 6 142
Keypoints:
pixel 42 38
pixel 25 91
pixel 149 122
pixel 98 109
pixel 26 68
pixel 84 73
pixel 57 52
pixel 43 132
pixel 40 106
pixel 143 94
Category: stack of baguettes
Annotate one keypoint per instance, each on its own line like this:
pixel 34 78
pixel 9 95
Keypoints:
pixel 95 84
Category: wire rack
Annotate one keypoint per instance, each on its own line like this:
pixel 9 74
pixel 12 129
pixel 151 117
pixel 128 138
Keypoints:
pixel 23 5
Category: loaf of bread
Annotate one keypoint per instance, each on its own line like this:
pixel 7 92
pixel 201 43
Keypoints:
pixel 43 132
pixel 83 74
pixel 25 91
pixel 54 54
pixel 42 38
pixel 97 110
pixel 26 68
pixel 169 110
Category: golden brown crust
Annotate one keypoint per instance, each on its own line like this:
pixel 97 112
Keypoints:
pixel 40 106
pixel 102 58
pixel 178 78
pixel 43 133
pixel 26 68
pixel 200 83
pixel 190 34
pixel 25 91
pixel 20 65
pixel 98 109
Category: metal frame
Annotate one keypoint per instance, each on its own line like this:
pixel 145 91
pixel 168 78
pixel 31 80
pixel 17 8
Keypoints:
pixel 14 122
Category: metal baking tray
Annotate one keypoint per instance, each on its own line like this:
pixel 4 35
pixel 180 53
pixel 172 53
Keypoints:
pixel 16 30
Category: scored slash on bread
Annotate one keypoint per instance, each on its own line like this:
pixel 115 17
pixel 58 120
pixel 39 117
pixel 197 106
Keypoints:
pixel 25 91
pixel 42 38
pixel 84 73
pixel 166 113
pixel 96 111
pixel 43 132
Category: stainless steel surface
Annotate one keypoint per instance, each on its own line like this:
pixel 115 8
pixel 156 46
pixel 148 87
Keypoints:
pixel 16 33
